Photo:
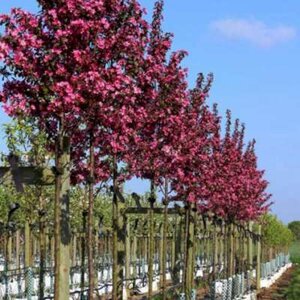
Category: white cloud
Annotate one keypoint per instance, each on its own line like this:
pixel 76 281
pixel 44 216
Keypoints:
pixel 254 31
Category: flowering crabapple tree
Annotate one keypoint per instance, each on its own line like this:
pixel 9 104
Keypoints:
pixel 195 144
pixel 236 188
pixel 114 111
pixel 152 156
pixel 70 66
pixel 99 81
pixel 193 156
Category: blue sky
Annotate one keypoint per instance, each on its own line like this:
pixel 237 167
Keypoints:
pixel 252 47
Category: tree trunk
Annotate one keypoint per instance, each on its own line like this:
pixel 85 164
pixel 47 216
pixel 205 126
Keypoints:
pixel 134 254
pixel 7 263
pixel 119 235
pixel 9 250
pixel 27 252
pixel 90 239
pixel 189 253
pixel 165 239
pixel 62 225
pixel 52 251
pixel 96 251
pixel 128 254
pixel 215 250
pixel 151 241
pixel 42 238
pixel 230 250
pixel 258 259
pixel 18 250
pixel 176 250
pixel 84 214
pixel 173 249
pixel 74 250
pixel 160 248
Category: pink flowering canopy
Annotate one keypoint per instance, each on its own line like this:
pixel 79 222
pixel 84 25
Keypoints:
pixel 195 144
pixel 237 187
pixel 154 154
pixel 104 73
pixel 82 62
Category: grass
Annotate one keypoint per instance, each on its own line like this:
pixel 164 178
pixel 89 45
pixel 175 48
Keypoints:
pixel 293 290
pixel 295 253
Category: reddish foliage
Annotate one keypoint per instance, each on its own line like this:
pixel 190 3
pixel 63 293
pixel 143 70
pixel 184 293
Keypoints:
pixel 100 70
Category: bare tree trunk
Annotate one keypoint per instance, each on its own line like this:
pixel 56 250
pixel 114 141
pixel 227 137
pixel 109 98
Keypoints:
pixel 115 238
pixel 134 253
pixel 62 225
pixel 119 237
pixel 258 262
pixel 27 253
pixel 9 249
pixel 18 249
pixel 230 249
pixel 215 250
pixel 84 214
pixel 128 254
pixel 90 239
pixel 42 238
pixel 189 252
pixel 74 250
pixel 96 251
pixel 151 241
pixel 165 237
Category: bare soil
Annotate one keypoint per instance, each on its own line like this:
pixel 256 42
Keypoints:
pixel 276 291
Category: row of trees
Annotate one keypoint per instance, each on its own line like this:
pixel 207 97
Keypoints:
pixel 275 236
pixel 113 103
pixel 294 226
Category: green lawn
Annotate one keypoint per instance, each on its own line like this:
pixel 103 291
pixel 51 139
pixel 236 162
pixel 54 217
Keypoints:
pixel 293 291
pixel 295 252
